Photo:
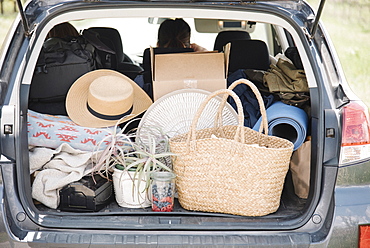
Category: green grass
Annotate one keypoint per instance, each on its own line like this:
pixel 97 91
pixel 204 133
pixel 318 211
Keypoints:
pixel 347 22
pixel 6 19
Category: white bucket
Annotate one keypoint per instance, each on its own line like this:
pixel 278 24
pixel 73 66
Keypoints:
pixel 126 195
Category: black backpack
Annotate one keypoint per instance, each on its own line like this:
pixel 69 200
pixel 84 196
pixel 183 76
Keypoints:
pixel 59 64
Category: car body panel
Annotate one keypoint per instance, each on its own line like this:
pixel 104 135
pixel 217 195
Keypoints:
pixel 339 203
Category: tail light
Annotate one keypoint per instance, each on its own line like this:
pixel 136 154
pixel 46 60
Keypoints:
pixel 364 239
pixel 355 133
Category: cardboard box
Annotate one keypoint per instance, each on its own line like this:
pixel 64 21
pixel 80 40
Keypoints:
pixel 202 70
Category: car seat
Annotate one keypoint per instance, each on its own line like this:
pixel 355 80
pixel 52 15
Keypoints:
pixel 118 61
pixel 248 54
pixel 225 37
pixel 293 55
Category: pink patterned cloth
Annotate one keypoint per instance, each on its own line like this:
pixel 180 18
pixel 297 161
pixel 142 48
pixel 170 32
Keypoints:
pixel 53 130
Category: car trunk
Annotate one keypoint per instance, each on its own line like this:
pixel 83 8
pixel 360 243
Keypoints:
pixel 292 212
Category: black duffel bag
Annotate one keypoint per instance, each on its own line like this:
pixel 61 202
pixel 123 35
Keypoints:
pixel 59 64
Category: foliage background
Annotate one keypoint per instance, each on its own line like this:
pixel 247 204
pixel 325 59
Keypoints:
pixel 347 22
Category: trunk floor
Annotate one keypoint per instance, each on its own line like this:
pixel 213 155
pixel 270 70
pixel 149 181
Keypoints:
pixel 291 206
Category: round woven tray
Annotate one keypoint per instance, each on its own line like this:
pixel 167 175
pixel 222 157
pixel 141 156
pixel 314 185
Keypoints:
pixel 174 113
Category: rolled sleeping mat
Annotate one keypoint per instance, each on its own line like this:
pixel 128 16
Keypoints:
pixel 286 122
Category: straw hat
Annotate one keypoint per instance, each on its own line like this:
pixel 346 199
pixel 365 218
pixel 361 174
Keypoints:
pixel 100 98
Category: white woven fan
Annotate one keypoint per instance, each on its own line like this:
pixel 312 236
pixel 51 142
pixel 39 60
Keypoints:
pixel 174 112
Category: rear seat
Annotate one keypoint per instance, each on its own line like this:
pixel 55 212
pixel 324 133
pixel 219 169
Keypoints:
pixel 118 61
pixel 248 54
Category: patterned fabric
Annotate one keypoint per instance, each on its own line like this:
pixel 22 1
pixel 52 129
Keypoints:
pixel 52 130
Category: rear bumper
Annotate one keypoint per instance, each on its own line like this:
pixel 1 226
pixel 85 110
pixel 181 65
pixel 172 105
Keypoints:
pixel 352 210
pixel 151 239
pixel 14 233
pixel 18 230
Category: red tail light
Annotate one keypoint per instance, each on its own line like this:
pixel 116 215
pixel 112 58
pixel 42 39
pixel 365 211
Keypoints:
pixel 355 133
pixel 364 239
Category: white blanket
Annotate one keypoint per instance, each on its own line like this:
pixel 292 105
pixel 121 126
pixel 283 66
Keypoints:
pixel 58 168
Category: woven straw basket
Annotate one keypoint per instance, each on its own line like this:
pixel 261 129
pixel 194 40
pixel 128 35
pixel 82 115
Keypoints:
pixel 231 169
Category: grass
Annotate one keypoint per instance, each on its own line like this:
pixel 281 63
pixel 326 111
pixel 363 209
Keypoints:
pixel 347 22
pixel 6 19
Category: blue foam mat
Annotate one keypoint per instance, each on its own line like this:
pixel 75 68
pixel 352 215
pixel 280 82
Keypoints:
pixel 283 120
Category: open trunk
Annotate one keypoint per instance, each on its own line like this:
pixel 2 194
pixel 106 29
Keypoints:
pixel 263 21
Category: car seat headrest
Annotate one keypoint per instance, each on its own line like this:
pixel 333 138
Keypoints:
pixel 112 38
pixel 248 54
pixel 225 37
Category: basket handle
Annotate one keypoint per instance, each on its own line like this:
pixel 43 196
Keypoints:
pixel 240 129
pixel 264 123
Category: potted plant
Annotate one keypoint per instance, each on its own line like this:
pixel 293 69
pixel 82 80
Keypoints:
pixel 132 158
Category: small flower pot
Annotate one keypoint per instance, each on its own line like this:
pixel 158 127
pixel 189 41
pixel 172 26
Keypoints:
pixel 128 192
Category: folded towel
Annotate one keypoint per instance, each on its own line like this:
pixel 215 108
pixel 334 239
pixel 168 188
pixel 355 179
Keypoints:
pixel 287 122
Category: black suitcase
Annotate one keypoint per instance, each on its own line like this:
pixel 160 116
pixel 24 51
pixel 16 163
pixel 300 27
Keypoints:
pixel 86 195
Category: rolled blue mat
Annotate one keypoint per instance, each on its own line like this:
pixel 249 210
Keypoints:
pixel 286 122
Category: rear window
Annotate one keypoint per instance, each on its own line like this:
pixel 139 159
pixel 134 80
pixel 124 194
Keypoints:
pixel 140 33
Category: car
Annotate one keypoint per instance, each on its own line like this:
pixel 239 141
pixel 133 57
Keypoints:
pixel 335 211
